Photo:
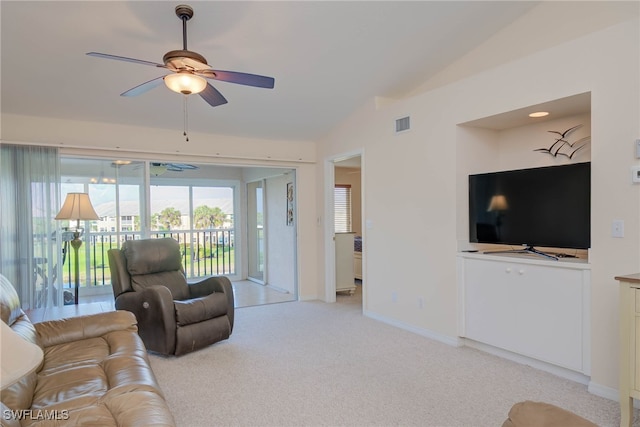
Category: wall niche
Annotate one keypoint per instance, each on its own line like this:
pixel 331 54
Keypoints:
pixel 513 140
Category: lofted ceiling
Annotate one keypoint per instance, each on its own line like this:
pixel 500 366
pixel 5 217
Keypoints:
pixel 327 58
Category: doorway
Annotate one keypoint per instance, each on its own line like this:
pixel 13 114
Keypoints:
pixel 271 229
pixel 344 211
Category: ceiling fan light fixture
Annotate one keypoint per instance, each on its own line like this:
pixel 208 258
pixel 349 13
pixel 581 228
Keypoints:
pixel 157 169
pixel 185 82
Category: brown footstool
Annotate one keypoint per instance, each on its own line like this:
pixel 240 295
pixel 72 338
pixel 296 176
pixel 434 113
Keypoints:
pixel 540 414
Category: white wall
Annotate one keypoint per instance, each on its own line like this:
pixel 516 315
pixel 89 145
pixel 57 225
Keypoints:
pixel 411 180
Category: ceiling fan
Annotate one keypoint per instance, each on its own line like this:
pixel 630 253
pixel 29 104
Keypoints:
pixel 190 70
pixel 160 168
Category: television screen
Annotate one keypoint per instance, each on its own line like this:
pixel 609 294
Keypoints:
pixel 546 206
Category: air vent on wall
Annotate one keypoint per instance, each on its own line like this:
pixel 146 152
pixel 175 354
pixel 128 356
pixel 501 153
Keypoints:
pixel 403 124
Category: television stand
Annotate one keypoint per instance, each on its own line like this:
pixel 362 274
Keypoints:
pixel 528 250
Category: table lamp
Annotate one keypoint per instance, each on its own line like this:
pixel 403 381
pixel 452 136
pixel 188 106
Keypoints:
pixel 18 357
pixel 77 206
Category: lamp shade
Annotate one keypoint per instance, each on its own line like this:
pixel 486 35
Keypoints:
pixel 498 203
pixel 185 82
pixel 77 206
pixel 18 357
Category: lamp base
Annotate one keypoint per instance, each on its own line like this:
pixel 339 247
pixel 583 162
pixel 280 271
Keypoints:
pixel 75 244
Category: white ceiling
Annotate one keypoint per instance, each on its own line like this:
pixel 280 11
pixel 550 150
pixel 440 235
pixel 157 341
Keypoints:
pixel 327 57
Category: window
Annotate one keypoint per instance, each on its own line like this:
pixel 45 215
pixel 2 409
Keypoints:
pixel 342 207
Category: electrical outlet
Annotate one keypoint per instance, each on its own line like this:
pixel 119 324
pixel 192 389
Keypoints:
pixel 617 228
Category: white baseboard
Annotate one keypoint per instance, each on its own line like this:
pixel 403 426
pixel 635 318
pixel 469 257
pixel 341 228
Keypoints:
pixel 534 363
pixel 608 393
pixel 603 391
pixel 436 336
pixel 278 289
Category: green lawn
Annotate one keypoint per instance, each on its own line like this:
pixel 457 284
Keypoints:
pixel 208 261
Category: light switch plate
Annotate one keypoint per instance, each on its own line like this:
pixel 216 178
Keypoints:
pixel 637 148
pixel 635 174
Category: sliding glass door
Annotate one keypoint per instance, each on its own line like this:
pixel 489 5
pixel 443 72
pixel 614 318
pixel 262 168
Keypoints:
pixel 255 231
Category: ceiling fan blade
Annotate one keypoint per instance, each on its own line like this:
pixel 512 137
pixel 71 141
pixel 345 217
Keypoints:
pixel 212 96
pixel 144 87
pixel 182 166
pixel 124 58
pixel 239 78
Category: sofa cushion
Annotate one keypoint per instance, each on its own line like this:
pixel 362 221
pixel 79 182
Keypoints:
pixel 199 309
pixel 104 380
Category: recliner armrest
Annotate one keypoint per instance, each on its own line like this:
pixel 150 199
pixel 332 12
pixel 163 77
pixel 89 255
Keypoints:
pixel 215 284
pixel 153 307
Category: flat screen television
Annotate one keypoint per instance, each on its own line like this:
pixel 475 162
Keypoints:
pixel 544 206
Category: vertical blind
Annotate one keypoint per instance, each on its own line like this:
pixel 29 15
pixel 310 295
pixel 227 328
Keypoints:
pixel 342 207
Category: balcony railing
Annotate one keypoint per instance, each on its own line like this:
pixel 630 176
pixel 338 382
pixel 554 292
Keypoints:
pixel 204 253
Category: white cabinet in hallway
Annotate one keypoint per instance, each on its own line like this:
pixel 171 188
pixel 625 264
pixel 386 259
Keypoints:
pixel 344 263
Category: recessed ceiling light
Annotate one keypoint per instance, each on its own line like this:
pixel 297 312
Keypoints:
pixel 539 114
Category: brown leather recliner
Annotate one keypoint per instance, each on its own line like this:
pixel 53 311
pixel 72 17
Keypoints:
pixel 174 317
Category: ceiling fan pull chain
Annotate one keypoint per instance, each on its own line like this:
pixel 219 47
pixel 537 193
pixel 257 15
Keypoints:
pixel 186 118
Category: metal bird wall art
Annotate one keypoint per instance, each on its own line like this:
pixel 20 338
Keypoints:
pixel 562 146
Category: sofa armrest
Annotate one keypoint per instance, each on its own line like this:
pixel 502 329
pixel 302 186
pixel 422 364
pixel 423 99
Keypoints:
pixel 61 331
pixel 215 284
pixel 154 310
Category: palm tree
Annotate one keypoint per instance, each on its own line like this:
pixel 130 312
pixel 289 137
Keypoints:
pixel 206 217
pixel 170 217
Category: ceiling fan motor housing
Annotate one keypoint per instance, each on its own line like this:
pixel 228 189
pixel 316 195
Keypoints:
pixel 175 58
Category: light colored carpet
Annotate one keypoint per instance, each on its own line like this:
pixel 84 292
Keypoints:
pixel 317 364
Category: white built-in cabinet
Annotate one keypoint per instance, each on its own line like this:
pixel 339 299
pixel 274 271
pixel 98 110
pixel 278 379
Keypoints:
pixel 344 263
pixel 533 307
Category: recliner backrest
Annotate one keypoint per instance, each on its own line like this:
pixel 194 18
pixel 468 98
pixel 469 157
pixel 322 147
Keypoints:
pixel 156 262
pixel 120 279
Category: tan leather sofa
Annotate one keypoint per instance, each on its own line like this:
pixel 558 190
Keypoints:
pixel 95 371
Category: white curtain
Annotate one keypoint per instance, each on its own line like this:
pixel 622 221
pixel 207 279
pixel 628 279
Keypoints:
pixel 29 201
